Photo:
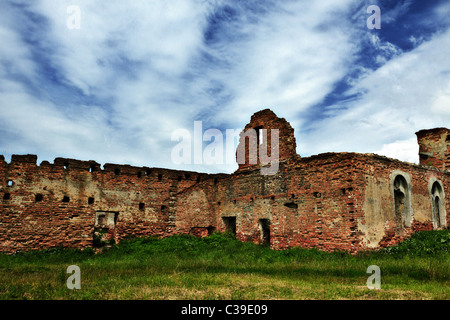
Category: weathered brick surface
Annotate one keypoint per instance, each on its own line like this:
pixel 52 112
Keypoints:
pixel 332 201
pixel 434 147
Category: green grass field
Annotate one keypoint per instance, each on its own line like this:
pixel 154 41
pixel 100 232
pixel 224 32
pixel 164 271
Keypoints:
pixel 220 267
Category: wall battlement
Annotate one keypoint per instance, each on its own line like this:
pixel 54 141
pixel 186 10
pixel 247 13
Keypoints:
pixel 345 201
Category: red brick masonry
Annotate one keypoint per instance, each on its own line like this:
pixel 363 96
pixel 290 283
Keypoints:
pixel 345 201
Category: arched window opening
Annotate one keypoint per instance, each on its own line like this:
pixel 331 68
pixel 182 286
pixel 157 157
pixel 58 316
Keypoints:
pixel 438 205
pixel 438 216
pixel 402 202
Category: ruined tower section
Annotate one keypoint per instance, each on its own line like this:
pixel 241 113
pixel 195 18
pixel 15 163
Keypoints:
pixel 434 147
pixel 266 139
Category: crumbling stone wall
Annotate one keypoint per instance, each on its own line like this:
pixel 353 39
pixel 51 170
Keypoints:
pixel 57 204
pixel 331 201
pixel 434 147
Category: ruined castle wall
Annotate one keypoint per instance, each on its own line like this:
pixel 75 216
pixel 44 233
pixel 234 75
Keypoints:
pixel 62 204
pixel 381 224
pixel 309 203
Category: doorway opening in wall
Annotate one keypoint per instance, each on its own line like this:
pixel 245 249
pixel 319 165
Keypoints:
pixel 264 228
pixel 104 229
pixel 230 224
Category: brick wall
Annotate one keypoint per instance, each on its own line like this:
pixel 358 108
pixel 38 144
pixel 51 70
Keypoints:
pixel 332 201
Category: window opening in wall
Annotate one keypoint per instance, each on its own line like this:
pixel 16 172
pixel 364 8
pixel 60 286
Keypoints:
pixel 160 177
pixel 65 199
pixel 66 165
pixel 291 205
pixel 402 200
pixel 180 178
pixel 230 224
pixel 438 213
pixel 116 171
pixel 438 205
pixel 141 206
pixel 10 183
pixel 259 135
pixel 448 138
pixel 148 172
pixel 264 227
pixel 163 208
pixel 91 200
pixel 38 197
pixel 6 196
pixel 139 174
pixel 92 168
pixel 187 176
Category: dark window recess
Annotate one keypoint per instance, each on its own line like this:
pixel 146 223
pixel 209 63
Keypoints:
pixel 180 178
pixel 219 203
pixel 234 201
pixel 160 177
pixel 317 194
pixel 423 156
pixel 65 199
pixel 448 138
pixel 215 181
pixel 198 179
pixel 6 196
pixel 187 176
pixel 10 183
pixel 66 165
pixel 163 208
pixel 91 200
pixel 139 174
pixel 148 172
pixel 116 171
pixel 259 137
pixel 141 206
pixel 230 224
pixel 291 205
pixel 38 197
pixel 92 168
pixel 272 198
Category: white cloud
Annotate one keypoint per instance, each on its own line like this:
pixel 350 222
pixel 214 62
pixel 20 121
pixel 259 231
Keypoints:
pixel 406 150
pixel 143 65
pixel 408 93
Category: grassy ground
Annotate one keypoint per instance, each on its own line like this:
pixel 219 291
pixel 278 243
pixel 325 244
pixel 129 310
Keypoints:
pixel 220 267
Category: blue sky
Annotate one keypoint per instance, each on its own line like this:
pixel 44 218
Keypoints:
pixel 116 89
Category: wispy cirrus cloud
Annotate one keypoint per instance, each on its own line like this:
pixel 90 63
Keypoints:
pixel 116 89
